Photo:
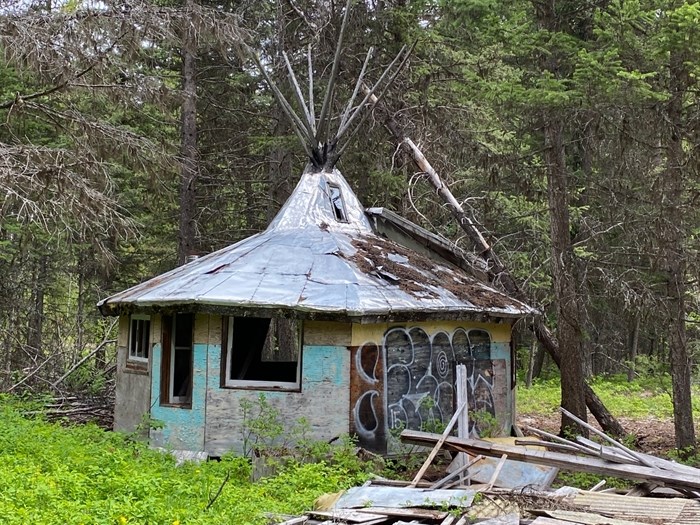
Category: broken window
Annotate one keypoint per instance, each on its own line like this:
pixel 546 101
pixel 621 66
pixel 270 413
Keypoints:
pixel 177 365
pixel 337 203
pixel 262 352
pixel 139 337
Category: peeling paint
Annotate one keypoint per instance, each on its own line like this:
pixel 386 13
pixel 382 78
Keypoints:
pixel 323 400
pixel 183 427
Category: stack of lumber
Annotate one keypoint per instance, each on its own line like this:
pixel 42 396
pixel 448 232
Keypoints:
pixel 666 492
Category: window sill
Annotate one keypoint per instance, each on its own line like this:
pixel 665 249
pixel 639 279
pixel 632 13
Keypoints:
pixel 266 387
pixel 136 367
pixel 186 406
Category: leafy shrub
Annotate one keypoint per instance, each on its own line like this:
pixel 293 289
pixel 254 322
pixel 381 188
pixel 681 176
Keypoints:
pixel 83 475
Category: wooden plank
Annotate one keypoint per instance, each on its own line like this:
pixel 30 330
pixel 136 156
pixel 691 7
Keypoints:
pixel 603 435
pixel 587 518
pixel 543 520
pixel 557 459
pixel 496 472
pixel 408 512
pixel 438 445
pixel 295 521
pixel 548 445
pixel 351 516
pixel 442 482
pixel 463 420
pixel 506 519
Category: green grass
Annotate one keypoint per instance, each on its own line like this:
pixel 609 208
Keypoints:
pixel 51 473
pixel 642 398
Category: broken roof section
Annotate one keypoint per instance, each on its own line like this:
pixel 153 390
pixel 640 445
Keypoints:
pixel 320 258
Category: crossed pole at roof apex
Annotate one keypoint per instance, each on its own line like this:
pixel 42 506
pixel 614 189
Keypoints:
pixel 323 151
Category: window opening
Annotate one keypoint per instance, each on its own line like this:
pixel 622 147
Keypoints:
pixel 180 391
pixel 337 203
pixel 263 352
pixel 139 337
pixel 480 342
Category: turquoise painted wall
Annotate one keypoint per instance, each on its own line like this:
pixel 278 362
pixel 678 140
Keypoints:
pixel 323 401
pixel 183 427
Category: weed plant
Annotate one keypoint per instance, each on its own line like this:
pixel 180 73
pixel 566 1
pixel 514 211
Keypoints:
pixel 51 473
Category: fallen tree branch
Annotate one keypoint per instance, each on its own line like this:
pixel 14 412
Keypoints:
pixel 32 374
pixel 497 273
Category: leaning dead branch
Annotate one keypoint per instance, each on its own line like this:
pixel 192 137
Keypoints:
pixel 496 271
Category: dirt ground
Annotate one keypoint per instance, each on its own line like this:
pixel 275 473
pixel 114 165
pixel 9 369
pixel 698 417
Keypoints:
pixel 652 436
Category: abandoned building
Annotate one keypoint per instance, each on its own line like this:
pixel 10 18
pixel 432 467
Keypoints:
pixel 352 319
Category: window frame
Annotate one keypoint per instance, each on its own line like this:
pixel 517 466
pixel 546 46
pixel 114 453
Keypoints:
pixel 167 368
pixel 257 384
pixel 133 358
pixel 343 210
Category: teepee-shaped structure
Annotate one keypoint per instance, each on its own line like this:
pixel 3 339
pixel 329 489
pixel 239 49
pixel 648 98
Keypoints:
pixel 354 318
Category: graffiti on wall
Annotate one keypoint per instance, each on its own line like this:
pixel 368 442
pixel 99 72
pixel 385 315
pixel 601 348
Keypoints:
pixel 408 381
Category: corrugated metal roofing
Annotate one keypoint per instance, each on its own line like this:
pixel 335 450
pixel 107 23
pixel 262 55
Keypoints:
pixel 312 264
pixel 653 510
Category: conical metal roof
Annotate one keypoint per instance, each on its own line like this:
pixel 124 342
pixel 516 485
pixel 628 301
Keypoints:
pixel 319 258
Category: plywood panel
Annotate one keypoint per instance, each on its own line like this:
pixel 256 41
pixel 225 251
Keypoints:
pixel 405 378
pixel 201 329
pixel 132 395
pixel 215 326
pixel 361 333
pixel 156 328
pixel 367 417
pixel 326 333
pixel 123 335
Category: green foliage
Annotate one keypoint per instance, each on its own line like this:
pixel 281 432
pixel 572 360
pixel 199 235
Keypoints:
pixel 646 396
pixel 281 445
pixel 486 423
pixel 83 475
pixel 586 481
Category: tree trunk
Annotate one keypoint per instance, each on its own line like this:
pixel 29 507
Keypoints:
pixel 280 161
pixel 35 328
pixel 673 240
pixel 634 347
pixel 566 297
pixel 189 154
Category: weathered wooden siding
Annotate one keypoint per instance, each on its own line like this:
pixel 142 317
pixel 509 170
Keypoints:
pixel 323 399
pixel 132 390
pixel 183 427
pixel 403 377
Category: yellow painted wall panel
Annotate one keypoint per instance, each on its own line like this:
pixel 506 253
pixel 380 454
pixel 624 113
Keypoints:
pixel 362 333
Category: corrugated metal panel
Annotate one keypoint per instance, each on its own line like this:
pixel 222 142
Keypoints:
pixel 660 510
pixel 309 261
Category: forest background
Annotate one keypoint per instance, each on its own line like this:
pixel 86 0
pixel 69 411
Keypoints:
pixel 134 134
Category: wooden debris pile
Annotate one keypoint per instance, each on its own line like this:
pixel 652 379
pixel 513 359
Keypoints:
pixel 502 482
